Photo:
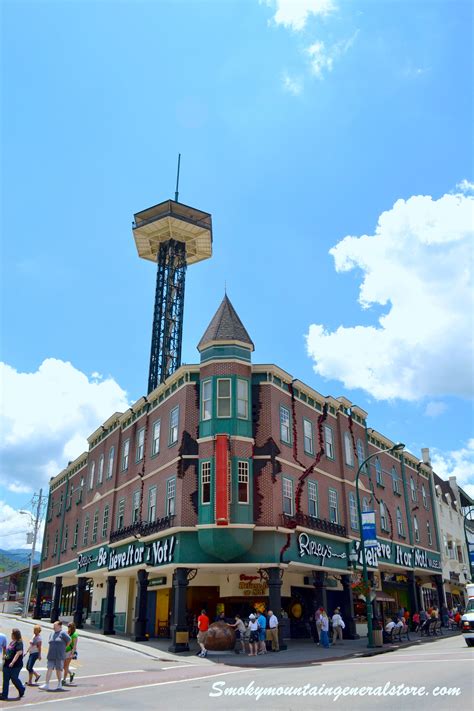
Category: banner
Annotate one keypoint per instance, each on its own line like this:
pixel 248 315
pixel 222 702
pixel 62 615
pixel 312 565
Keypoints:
pixel 369 534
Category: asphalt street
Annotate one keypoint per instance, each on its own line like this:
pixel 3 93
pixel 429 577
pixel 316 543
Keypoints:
pixel 438 676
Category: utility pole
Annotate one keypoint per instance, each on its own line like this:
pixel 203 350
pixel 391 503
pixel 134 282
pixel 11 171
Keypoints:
pixel 36 525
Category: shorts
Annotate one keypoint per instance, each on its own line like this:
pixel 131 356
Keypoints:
pixel 69 655
pixel 262 635
pixel 253 639
pixel 57 664
pixel 201 638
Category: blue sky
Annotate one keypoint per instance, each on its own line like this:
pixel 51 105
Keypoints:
pixel 299 124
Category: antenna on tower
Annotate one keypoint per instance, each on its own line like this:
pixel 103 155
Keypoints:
pixel 177 179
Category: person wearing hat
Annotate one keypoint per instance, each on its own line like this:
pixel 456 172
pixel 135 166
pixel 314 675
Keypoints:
pixel 253 639
pixel 337 625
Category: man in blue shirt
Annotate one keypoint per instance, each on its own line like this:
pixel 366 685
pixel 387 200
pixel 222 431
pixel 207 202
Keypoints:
pixel 262 632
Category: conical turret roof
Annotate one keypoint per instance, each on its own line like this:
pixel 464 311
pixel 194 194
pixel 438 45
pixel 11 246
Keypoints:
pixel 226 327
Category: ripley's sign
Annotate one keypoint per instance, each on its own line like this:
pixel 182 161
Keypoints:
pixel 399 555
pixel 156 553
pixel 315 549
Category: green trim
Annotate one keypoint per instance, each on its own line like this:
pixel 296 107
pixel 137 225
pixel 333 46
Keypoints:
pixel 206 511
pixel 233 425
pixel 71 566
pixel 175 442
pixel 225 353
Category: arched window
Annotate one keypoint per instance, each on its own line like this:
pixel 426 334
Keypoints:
pixel 91 475
pixel 100 473
pixel 383 517
pixel 353 512
pixel 417 530
pixel 395 481
pixel 360 452
pixel 378 472
pixel 428 530
pixel 349 454
pixel 365 504
pixel 401 530
pixel 423 494
pixel 413 490
pixel 110 463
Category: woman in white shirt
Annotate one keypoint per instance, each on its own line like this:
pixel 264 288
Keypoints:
pixel 253 640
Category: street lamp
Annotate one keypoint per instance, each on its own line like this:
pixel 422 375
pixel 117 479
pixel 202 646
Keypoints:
pixel 396 448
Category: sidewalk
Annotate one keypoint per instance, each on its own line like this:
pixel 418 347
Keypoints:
pixel 299 651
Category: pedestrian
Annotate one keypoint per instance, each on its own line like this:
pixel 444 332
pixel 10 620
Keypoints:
pixel 3 644
pixel 416 621
pixel 324 636
pixel 12 665
pixel 337 625
pixel 253 639
pixel 58 641
pixel 239 628
pixel 203 626
pixel 317 621
pixel 71 652
pixel 34 651
pixel 273 628
pixel 220 617
pixel 262 633
pixel 312 629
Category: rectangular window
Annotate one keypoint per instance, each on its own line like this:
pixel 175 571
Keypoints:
pixel 205 483
pixel 136 506
pixel 206 413
pixel 105 522
pixel 155 445
pixel 152 504
pixel 353 512
pixel 308 436
pixel 313 499
pixel 242 399
pixel 174 422
pixel 125 454
pixel 288 504
pixel 243 482
pixel 428 528
pixel 85 533
pixel 55 547
pixel 110 464
pixel 328 438
pixel 95 526
pixel 91 475
pixel 224 397
pixel 460 556
pixel 140 444
pixel 120 514
pixel 65 537
pixel 170 497
pixel 333 512
pixel 348 449
pixel 285 434
pixel 76 535
pixel 396 483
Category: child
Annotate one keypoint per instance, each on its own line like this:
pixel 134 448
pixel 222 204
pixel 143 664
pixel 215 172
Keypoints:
pixel 34 651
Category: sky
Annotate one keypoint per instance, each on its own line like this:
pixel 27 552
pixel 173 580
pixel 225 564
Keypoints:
pixel 330 140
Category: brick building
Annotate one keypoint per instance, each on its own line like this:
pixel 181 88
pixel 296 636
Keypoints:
pixel 232 486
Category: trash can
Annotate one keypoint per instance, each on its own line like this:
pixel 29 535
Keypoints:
pixel 378 638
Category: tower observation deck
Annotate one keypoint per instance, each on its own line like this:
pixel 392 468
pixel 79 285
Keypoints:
pixel 173 235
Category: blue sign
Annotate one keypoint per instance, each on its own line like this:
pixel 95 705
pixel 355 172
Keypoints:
pixel 369 533
pixel 471 556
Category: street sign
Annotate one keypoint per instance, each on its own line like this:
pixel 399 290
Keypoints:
pixel 369 534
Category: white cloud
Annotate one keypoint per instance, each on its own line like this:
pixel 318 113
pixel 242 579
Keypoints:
pixel 295 13
pixel 46 419
pixel 435 408
pixel 458 463
pixel 14 527
pixel 418 264
pixel 321 57
pixel 294 85
pixel 465 186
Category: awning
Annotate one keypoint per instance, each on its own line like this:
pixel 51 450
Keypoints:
pixel 381 596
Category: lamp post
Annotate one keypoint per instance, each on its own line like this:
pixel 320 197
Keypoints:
pixel 396 448
pixel 36 523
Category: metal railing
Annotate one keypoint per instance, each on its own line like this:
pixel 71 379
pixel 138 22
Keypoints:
pixel 142 528
pixel 318 524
